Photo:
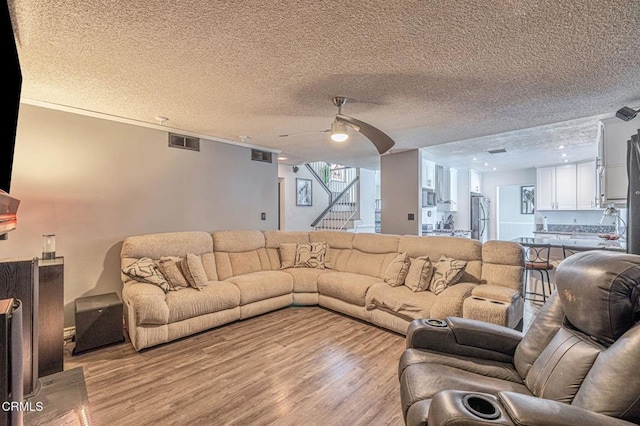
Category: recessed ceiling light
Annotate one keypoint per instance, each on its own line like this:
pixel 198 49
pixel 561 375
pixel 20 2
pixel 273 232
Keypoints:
pixel 486 164
pixel 494 168
pixel 564 155
pixel 561 147
pixel 566 161
pixel 475 159
pixel 282 157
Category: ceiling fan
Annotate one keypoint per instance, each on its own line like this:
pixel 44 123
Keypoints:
pixel 378 138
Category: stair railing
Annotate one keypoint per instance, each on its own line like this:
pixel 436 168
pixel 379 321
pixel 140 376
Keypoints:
pixel 341 217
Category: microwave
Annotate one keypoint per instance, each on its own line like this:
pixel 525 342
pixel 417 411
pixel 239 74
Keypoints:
pixel 428 197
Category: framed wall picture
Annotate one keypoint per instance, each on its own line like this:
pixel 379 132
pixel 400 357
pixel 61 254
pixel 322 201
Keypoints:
pixel 527 199
pixel 304 196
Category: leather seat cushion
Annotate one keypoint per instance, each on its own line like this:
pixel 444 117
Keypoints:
pixel 495 369
pixel 424 380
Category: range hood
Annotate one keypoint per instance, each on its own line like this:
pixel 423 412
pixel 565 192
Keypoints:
pixel 8 214
pixel 443 185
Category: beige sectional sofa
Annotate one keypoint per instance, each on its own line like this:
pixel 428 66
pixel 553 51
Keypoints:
pixel 245 278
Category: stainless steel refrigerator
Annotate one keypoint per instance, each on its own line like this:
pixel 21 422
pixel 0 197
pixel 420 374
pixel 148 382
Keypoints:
pixel 479 217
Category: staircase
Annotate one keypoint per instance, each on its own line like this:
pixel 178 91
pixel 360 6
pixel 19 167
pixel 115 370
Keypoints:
pixel 341 183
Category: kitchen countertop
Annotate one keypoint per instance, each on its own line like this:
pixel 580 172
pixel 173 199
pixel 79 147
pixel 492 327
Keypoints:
pixel 614 245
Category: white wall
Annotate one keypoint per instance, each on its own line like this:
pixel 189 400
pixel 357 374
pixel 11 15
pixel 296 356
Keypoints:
pixel 463 215
pixel 400 180
pixel 368 185
pixel 492 180
pixel 511 223
pixel 93 182
pixel 299 218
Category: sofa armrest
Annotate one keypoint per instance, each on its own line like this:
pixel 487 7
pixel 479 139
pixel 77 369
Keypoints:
pixel 496 292
pixel 148 302
pixel 454 407
pixel 466 337
pixel 530 410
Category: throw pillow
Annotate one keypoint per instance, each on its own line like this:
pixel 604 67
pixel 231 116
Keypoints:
pixel 447 272
pixel 310 255
pixel 396 272
pixel 194 271
pixel 420 273
pixel 287 255
pixel 171 269
pixel 146 270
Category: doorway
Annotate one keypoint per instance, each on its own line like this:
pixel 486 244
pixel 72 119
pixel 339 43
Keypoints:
pixel 281 193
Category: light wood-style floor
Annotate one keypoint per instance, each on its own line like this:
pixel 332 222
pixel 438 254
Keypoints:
pixel 295 366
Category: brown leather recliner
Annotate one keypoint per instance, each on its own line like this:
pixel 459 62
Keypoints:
pixel 577 364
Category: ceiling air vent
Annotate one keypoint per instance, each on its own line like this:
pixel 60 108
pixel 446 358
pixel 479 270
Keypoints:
pixel 263 156
pixel 497 151
pixel 184 142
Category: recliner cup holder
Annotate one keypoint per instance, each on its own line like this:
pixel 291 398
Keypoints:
pixel 481 406
pixel 435 322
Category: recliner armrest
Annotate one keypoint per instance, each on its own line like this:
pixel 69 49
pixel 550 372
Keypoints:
pixel 466 337
pixel 455 407
pixel 530 410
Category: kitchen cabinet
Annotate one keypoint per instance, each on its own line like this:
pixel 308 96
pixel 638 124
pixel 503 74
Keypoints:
pixel 475 181
pixel 586 186
pixel 447 189
pixel 556 187
pixel 428 174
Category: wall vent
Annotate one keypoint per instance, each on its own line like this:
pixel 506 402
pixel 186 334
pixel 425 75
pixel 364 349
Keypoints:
pixel 184 142
pixel 263 156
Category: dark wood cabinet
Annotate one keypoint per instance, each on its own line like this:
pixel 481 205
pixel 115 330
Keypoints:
pixel 51 317
pixel 19 280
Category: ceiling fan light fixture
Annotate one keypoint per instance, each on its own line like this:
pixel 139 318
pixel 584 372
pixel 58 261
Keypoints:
pixel 339 131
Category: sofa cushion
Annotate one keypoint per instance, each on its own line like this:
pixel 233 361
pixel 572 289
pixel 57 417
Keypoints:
pixel 305 280
pixel 419 274
pixel 400 300
pixel 172 271
pixel 457 248
pixel 215 296
pixel 447 271
pixel 348 287
pixel 310 255
pixel 240 252
pixel 503 264
pixel 194 271
pixel 396 272
pixel 147 271
pixel 287 255
pixel 262 285
pixel 340 245
pixel 273 240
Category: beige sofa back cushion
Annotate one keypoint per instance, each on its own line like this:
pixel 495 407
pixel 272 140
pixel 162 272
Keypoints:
pixel 371 254
pixel 456 248
pixel 169 244
pixel 340 247
pixel 273 239
pixel 503 264
pixel 240 252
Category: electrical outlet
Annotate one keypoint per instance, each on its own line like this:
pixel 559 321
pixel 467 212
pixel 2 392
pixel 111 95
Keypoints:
pixel 411 216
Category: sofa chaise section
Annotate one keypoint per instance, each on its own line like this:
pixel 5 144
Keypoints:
pixel 153 316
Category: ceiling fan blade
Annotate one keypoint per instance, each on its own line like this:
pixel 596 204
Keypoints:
pixel 378 138
pixel 304 133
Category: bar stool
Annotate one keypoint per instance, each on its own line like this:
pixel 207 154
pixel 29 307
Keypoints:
pixel 537 259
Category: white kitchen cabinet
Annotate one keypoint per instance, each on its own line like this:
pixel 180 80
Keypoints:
pixel 475 181
pixel 453 191
pixel 586 185
pixel 428 174
pixel 556 188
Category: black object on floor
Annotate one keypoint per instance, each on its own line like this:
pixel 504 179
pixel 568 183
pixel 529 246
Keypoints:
pixel 98 321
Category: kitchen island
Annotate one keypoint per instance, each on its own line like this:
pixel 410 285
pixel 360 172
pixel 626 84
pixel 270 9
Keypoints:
pixel 592 244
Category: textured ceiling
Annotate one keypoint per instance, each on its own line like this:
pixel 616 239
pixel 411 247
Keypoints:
pixel 425 72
